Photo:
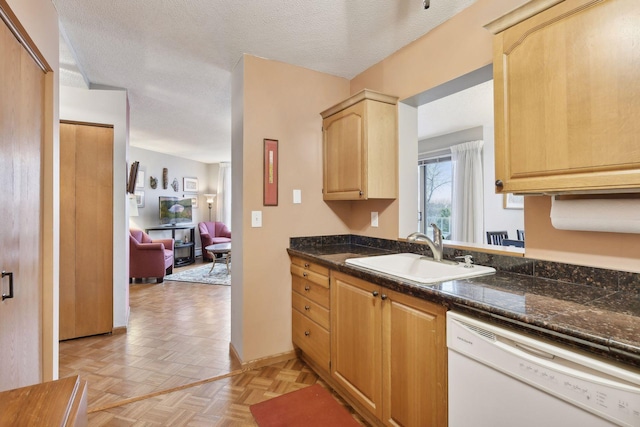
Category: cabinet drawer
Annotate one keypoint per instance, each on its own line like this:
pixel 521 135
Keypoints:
pixel 308 265
pixel 312 339
pixel 319 279
pixel 316 293
pixel 310 309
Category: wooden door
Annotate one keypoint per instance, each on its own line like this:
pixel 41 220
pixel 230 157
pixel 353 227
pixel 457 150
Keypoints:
pixel 21 134
pixel 414 362
pixel 567 99
pixel 86 230
pixel 356 339
pixel 343 154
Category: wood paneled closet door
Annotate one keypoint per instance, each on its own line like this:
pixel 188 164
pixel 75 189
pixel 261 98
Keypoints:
pixel 86 230
pixel 22 88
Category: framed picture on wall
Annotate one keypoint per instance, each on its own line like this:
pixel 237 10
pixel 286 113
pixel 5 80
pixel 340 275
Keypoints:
pixel 190 185
pixel 140 198
pixel 140 180
pixel 270 179
pixel 512 201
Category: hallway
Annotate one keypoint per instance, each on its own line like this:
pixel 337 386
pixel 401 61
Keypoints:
pixel 173 367
pixel 174 338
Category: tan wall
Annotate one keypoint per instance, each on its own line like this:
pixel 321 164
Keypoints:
pixel 457 47
pixel 40 20
pixel 281 102
pixel 607 250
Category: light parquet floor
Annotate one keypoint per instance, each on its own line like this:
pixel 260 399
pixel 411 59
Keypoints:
pixel 173 367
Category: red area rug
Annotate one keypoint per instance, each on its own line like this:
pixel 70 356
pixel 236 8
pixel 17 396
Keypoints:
pixel 308 407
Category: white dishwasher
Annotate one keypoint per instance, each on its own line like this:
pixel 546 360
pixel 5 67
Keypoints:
pixel 500 378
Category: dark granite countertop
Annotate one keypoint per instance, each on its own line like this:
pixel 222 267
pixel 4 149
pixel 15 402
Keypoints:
pixel 601 320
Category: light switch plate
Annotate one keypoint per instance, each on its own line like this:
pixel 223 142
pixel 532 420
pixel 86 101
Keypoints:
pixel 256 218
pixel 297 196
pixel 374 219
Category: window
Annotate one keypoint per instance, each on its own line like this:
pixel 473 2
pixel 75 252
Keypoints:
pixel 434 195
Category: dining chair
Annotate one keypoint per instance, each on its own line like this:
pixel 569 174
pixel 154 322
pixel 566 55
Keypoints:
pixel 516 243
pixel 496 237
pixel 520 234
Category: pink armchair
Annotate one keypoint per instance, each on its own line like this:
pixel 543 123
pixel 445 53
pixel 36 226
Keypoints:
pixel 149 258
pixel 212 233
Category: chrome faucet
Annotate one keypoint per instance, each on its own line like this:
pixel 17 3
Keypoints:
pixel 435 245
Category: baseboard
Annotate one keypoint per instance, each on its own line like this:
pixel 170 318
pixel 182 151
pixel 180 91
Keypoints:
pixel 119 330
pixel 259 363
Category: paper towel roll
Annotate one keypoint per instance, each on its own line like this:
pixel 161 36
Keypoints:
pixel 607 215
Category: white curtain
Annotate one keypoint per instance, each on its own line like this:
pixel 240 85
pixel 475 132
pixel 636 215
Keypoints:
pixel 467 204
pixel 223 211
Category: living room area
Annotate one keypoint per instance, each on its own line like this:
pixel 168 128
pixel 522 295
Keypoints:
pixel 164 176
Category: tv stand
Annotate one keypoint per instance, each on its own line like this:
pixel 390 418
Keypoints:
pixel 189 246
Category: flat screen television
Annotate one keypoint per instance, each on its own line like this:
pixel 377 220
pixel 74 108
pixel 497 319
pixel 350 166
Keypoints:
pixel 174 210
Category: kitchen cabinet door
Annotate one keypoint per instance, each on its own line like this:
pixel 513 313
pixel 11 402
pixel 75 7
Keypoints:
pixel 311 305
pixel 360 146
pixel 567 99
pixel 356 339
pixel 414 361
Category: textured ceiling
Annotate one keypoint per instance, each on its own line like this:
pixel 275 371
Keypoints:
pixel 175 57
pixel 462 110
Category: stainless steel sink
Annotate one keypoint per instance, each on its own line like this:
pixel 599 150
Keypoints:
pixel 418 268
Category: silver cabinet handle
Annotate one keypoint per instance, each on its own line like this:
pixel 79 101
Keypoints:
pixel 374 293
pixel 307 308
pixel 10 295
pixel 383 297
pixel 307 333
pixel 306 265
pixel 307 287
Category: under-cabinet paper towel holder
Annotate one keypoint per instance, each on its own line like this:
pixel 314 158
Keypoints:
pixel 601 213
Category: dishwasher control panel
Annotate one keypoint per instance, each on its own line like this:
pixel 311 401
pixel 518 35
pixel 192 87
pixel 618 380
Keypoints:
pixel 601 388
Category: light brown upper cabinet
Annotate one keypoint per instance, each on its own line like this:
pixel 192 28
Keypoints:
pixel 360 148
pixel 567 97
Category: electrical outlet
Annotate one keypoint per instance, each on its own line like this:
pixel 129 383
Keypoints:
pixel 374 219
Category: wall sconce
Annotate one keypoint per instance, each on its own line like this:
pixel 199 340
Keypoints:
pixel 210 199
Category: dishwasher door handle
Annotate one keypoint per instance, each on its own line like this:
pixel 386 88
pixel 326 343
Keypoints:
pixel 534 351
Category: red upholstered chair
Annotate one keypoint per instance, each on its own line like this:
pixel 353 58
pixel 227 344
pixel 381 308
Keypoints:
pixel 149 258
pixel 212 233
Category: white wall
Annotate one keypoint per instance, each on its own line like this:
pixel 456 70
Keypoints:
pixel 237 203
pixel 152 163
pixel 407 155
pixel 109 107
pixel 496 218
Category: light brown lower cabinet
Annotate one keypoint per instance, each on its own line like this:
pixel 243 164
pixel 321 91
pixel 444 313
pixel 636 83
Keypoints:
pixel 388 351
pixel 310 311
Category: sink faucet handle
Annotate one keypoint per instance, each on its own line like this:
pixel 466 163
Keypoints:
pixel 437 234
pixel 468 260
